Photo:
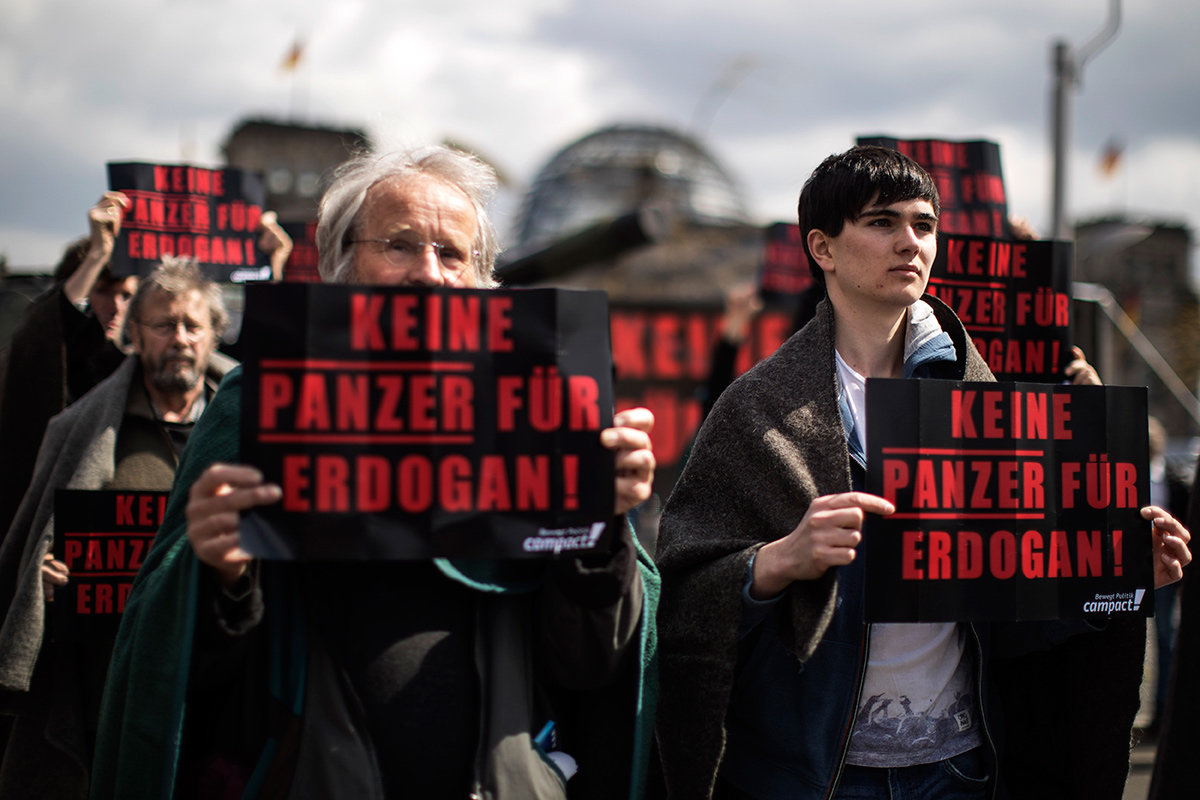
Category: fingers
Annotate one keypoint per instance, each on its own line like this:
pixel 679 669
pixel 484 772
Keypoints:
pixel 870 503
pixel 641 419
pixel 742 304
pixel 635 479
pixel 835 524
pixel 55 571
pixel 635 463
pixel 836 521
pixel 827 536
pixel 1080 371
pixel 274 240
pixel 1170 545
pixel 237 485
pixel 223 491
pixel 271 233
pixel 105 217
pixel 625 439
pixel 1165 524
pixel 214 504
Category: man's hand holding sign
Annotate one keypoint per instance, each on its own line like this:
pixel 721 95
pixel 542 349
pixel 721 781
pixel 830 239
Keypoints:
pixel 223 491
pixel 815 680
pixel 827 536
pixel 426 474
pixel 1171 551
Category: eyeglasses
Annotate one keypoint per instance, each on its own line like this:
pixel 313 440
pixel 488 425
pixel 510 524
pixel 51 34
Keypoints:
pixel 192 330
pixel 405 252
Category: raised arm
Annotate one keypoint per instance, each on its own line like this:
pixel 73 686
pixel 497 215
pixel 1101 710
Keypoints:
pixel 104 223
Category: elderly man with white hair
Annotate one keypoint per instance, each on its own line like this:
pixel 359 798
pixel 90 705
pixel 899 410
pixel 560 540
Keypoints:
pixel 366 679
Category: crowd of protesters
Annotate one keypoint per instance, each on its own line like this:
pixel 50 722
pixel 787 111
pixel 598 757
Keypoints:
pixel 734 662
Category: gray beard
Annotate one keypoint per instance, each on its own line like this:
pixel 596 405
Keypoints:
pixel 176 382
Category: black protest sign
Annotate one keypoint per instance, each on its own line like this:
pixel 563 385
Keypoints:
pixel 1014 299
pixel 785 273
pixel 663 355
pixel 414 423
pixel 210 215
pixel 301 265
pixel 969 181
pixel 103 538
pixel 1015 501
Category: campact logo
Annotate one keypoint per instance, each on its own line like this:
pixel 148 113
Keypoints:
pixel 564 539
pixel 1117 602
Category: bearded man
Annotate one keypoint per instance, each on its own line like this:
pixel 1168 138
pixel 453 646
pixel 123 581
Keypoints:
pixel 125 434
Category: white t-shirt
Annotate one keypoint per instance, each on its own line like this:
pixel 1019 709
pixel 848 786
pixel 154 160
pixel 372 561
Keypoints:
pixel 918 702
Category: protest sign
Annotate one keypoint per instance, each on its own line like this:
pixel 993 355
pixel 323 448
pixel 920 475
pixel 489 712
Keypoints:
pixel 785 273
pixel 969 181
pixel 210 215
pixel 663 355
pixel 1015 501
pixel 103 538
pixel 1014 299
pixel 301 265
pixel 411 422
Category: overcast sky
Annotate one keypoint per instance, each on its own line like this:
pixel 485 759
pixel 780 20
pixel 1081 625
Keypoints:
pixel 769 86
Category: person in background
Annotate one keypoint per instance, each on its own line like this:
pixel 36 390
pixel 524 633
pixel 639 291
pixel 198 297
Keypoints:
pixel 67 342
pixel 72 338
pixel 1172 491
pixel 1175 774
pixel 742 305
pixel 124 434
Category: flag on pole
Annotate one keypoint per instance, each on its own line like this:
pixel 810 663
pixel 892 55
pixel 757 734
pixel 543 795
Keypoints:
pixel 1110 158
pixel 292 59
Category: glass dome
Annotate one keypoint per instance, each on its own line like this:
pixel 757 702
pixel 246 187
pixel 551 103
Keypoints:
pixel 618 169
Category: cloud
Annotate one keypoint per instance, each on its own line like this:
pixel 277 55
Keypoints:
pixel 81 84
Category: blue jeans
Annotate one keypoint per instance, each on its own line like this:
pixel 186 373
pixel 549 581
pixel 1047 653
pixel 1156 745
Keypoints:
pixel 963 777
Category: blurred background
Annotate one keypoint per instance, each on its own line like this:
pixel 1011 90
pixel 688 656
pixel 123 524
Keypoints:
pixel 644 149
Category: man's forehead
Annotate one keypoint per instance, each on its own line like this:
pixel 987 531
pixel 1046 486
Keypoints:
pixel 162 300
pixel 397 202
pixel 116 283
pixel 921 206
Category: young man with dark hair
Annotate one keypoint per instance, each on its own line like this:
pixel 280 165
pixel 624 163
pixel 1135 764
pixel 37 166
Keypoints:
pixel 68 340
pixel 772 683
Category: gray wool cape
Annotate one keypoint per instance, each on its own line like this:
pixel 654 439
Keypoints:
pixel 78 452
pixel 773 443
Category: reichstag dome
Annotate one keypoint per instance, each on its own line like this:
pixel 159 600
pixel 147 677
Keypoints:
pixel 618 169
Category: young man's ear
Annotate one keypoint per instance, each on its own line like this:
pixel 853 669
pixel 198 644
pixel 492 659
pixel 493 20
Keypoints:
pixel 818 245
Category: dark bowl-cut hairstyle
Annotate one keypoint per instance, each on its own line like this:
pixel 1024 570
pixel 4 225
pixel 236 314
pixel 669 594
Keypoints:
pixel 72 259
pixel 839 190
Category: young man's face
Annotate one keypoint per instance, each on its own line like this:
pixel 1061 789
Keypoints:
pixel 110 302
pixel 883 258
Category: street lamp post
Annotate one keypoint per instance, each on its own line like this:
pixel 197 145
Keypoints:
pixel 1068 69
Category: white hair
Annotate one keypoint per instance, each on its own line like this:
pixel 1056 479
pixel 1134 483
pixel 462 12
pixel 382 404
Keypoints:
pixel 342 201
